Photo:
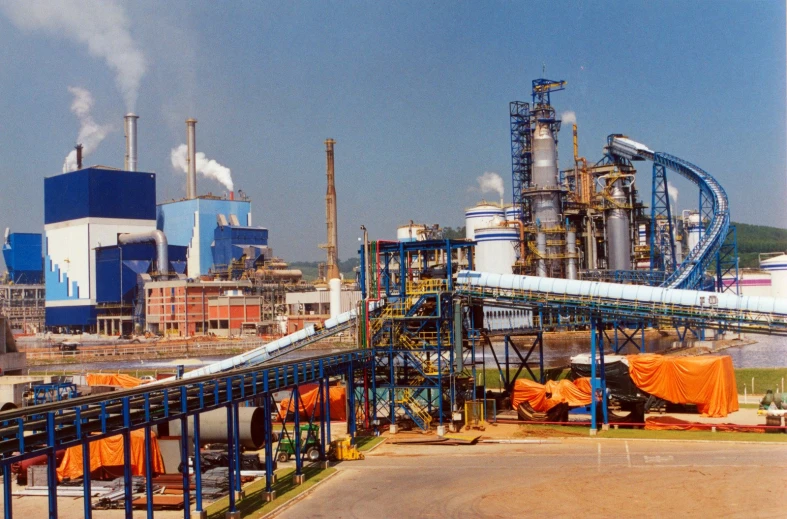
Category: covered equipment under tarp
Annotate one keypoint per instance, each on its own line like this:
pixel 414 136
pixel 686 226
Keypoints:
pixel 112 379
pixel 616 372
pixel 106 455
pixel 543 397
pixel 707 381
pixel 310 397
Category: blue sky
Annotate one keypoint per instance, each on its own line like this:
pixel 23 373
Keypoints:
pixel 416 95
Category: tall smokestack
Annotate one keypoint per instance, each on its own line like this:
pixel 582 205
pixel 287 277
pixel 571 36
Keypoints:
pixel 191 158
pixel 330 216
pixel 78 147
pixel 332 268
pixel 130 164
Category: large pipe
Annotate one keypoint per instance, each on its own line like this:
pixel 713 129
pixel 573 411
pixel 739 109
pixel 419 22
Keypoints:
pixel 130 163
pixel 571 254
pixel 162 252
pixel 191 158
pixel 213 427
pixel 748 310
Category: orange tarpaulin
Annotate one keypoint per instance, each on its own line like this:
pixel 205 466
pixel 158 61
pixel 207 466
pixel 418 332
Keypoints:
pixel 108 454
pixel 575 393
pixel 310 398
pixel 707 381
pixel 669 423
pixel 110 379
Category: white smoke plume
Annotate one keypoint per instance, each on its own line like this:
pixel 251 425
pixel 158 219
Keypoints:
pixel 205 166
pixel 672 191
pixel 101 25
pixel 568 117
pixel 90 132
pixel 491 182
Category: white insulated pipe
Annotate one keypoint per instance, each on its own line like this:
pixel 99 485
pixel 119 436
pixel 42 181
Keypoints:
pixel 162 251
pixel 615 293
pixel 191 158
pixel 130 128
pixel 279 346
pixel 335 287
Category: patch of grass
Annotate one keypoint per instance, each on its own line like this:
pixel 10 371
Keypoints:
pixel 254 505
pixel 367 443
pixel 568 431
pixel 764 379
pixel 493 376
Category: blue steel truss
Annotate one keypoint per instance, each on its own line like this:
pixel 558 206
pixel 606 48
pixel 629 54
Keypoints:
pixel 662 242
pixel 49 428
pixel 521 155
pixel 727 276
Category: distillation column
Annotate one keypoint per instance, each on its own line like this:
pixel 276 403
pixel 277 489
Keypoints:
pixel 618 228
pixel 544 194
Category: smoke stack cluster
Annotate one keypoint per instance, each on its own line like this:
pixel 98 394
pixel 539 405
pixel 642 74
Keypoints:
pixel 78 147
pixel 191 158
pixel 130 162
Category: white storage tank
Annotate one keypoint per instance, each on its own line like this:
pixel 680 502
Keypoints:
pixel 751 282
pixel 410 232
pixel 495 251
pixel 777 268
pixel 693 229
pixel 482 216
pixel 513 213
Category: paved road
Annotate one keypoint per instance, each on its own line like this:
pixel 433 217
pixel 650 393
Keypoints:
pixel 598 478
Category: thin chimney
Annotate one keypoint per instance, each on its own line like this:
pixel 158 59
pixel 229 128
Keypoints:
pixel 191 158
pixel 79 156
pixel 130 164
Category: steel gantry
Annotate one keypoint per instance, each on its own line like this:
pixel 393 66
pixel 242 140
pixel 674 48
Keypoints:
pixel 424 362
pixel 48 428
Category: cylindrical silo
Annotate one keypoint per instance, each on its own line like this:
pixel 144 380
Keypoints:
pixel 777 267
pixel 496 249
pixel 410 232
pixel 481 216
pixel 513 213
pixel 693 229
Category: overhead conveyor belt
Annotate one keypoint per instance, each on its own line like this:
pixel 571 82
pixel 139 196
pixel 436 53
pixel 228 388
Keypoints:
pixel 689 273
pixel 766 315
pixel 286 344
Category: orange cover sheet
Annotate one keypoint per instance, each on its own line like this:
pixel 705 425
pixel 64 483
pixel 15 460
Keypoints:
pixel 108 453
pixel 310 398
pixel 112 379
pixel 575 393
pixel 668 423
pixel 707 381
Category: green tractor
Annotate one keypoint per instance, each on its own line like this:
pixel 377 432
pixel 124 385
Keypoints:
pixel 310 444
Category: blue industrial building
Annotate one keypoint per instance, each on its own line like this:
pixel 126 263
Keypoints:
pixel 85 210
pixel 22 255
pixel 191 223
pixel 231 242
pixel 120 269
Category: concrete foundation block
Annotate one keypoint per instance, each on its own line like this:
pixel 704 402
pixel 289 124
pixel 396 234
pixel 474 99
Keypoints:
pixel 270 496
pixel 605 427
pixel 593 432
pixel 299 479
pixel 199 515
pixel 232 515
pixel 393 428
pixel 441 430
pixel 325 464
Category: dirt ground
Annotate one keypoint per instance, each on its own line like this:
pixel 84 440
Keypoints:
pixel 578 477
